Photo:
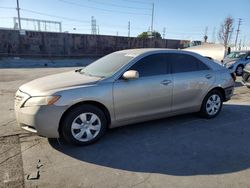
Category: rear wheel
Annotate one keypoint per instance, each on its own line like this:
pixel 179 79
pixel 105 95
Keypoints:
pixel 84 125
pixel 211 105
pixel 239 70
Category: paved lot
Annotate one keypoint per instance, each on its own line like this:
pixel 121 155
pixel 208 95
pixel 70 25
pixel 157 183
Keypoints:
pixel 183 151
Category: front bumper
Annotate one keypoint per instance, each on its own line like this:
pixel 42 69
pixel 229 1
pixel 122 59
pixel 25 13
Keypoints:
pixel 43 120
pixel 246 78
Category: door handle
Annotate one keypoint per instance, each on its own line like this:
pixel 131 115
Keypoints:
pixel 208 76
pixel 166 82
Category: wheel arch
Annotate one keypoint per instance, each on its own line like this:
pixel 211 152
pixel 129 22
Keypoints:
pixel 89 102
pixel 221 90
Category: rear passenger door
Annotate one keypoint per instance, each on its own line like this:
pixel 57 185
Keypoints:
pixel 192 78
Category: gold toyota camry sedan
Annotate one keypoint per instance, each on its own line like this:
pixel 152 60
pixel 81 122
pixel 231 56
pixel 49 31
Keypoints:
pixel 121 88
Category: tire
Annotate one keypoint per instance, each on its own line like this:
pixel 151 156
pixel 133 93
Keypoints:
pixel 239 70
pixel 212 104
pixel 84 125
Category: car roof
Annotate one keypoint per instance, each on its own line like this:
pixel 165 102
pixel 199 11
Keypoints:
pixel 143 51
pixel 139 51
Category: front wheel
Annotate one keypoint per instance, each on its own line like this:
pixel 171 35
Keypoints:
pixel 84 125
pixel 211 105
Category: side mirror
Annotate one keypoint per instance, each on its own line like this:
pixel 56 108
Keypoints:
pixel 130 75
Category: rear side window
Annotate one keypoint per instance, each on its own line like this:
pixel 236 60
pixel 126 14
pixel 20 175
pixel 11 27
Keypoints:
pixel 151 65
pixel 185 63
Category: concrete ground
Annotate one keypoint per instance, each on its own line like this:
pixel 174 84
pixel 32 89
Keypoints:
pixel 182 151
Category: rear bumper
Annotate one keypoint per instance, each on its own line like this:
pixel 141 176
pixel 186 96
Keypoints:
pixel 228 93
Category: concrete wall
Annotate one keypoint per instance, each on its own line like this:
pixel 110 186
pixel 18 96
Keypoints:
pixel 50 44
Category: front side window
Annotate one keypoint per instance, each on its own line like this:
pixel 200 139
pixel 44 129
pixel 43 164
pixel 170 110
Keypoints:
pixel 185 63
pixel 151 65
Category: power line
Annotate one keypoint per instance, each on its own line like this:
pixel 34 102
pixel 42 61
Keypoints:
pixel 135 1
pixel 50 15
pixel 116 5
pixel 102 9
pixel 7 7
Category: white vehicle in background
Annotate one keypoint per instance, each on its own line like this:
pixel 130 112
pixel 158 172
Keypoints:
pixel 215 52
pixel 236 61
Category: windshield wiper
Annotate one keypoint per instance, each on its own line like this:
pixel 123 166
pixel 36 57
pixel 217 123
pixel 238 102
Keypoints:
pixel 82 72
pixel 78 70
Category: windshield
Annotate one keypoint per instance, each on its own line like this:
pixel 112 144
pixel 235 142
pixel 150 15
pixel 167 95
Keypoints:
pixel 236 55
pixel 107 65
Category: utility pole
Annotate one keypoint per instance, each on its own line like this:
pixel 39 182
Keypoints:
pixel 93 25
pixel 98 30
pixel 237 34
pixel 164 32
pixel 152 18
pixel 213 35
pixel 128 28
pixel 205 35
pixel 240 45
pixel 18 15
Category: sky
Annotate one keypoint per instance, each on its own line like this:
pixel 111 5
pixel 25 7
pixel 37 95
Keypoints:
pixel 182 19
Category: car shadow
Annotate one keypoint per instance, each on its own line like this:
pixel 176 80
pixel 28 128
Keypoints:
pixel 182 145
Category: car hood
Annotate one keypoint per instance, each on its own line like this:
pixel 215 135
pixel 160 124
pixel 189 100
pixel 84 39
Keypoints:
pixel 57 82
pixel 230 63
pixel 227 60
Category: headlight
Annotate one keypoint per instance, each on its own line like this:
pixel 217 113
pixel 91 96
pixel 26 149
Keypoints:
pixel 40 101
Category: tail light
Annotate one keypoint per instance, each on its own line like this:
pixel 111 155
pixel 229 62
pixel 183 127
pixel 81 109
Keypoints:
pixel 233 76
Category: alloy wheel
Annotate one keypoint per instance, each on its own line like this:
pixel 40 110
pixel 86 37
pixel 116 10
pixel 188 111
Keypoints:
pixel 213 104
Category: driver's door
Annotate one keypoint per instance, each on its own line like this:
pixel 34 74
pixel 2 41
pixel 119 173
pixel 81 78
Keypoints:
pixel 150 94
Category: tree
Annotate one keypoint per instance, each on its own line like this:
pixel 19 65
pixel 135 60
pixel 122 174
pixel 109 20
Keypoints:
pixel 146 35
pixel 226 30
